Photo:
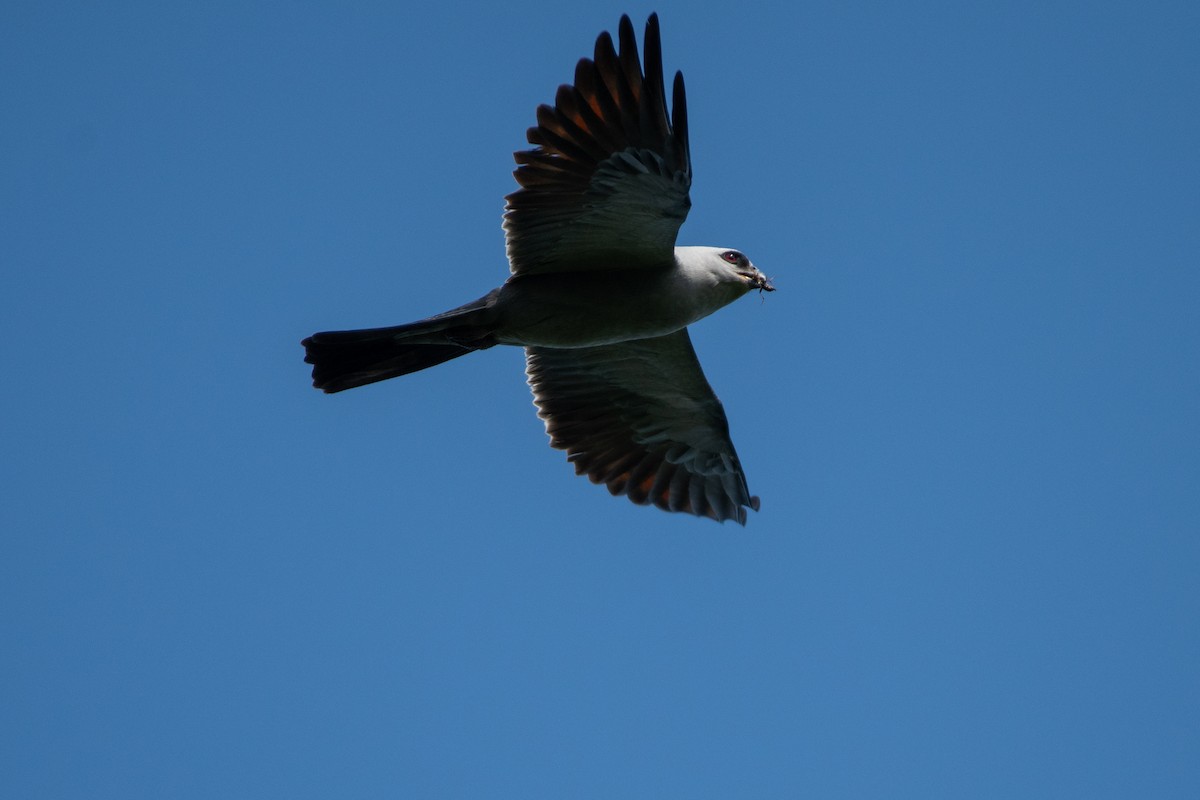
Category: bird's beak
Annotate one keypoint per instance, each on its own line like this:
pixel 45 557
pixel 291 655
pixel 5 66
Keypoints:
pixel 759 281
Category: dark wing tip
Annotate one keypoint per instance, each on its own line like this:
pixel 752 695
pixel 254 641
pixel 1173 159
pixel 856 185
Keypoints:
pixel 679 119
pixel 625 99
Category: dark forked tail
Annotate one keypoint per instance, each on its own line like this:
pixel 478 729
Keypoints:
pixel 346 359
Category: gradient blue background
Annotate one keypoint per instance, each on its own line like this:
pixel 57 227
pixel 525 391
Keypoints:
pixel 971 411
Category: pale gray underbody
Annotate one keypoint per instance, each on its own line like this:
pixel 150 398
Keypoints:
pixel 586 309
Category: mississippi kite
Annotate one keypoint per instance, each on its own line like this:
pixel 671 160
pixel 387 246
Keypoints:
pixel 600 297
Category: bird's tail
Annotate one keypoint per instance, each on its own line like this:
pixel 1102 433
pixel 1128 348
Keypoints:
pixel 346 359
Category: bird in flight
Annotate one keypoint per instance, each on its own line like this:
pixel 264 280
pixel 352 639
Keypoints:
pixel 599 295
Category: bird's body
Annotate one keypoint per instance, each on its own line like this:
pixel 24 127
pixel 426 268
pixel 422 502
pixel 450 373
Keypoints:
pixel 599 296
pixel 585 309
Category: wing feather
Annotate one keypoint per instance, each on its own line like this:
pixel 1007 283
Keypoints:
pixel 640 418
pixel 606 185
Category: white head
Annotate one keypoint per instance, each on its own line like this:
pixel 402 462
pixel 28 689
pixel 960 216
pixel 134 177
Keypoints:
pixel 725 264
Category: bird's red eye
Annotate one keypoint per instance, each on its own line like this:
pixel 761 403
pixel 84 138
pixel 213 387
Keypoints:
pixel 732 256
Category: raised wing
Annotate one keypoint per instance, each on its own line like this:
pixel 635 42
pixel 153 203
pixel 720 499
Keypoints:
pixel 607 184
pixel 640 418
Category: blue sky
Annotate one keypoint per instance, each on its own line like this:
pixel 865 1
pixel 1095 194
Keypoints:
pixel 971 411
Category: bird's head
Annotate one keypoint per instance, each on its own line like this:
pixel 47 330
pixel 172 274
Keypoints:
pixel 744 271
pixel 725 274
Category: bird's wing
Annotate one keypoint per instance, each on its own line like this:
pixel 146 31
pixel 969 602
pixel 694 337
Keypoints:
pixel 607 184
pixel 640 418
